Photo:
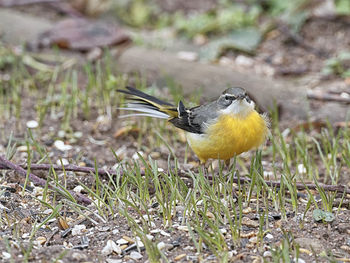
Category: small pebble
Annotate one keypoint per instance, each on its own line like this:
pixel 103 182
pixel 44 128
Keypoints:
pixel 78 189
pixel 6 255
pixel 135 255
pixel 78 230
pixel 267 254
pixel 129 239
pixel 22 148
pixel 113 260
pixel 269 236
pixel 61 146
pixel 301 168
pixel 32 124
pixel 179 257
pixel 247 210
pixel 111 247
pixel 41 240
pixel 149 237
pixel 183 228
pixel 63 161
pixel 187 55
pixel 248 222
pixel 253 240
pixel 79 256
pixel 163 233
pixel 161 245
pixel 122 241
pixel 299 260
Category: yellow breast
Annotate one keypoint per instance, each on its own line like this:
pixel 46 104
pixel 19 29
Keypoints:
pixel 229 136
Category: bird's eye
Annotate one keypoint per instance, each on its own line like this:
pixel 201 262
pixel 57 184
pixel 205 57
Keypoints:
pixel 229 98
pixel 248 99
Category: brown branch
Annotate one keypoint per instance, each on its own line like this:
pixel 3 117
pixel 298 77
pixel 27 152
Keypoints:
pixel 10 3
pixel 75 168
pixel 316 95
pixel 300 186
pixel 6 164
pixel 69 167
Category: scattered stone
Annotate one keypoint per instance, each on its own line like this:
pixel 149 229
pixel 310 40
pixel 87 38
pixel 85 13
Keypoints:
pixel 61 146
pixel 210 215
pixel 137 155
pixel 22 148
pixel 183 228
pixel 129 239
pixel 113 260
pixel 299 260
pixel 187 55
pixel 149 237
pixel 345 248
pixel 301 168
pixel 223 231
pixel 78 230
pixel 78 189
pixel 79 256
pixel 179 257
pixel 32 124
pixel 248 235
pixel 135 255
pixel 122 241
pixel 6 255
pixel 111 247
pixel 41 240
pixel 163 233
pixel 244 61
pixel 250 223
pixel 161 245
pixel 61 133
pixel 269 236
pixel 62 161
pixel 247 210
pixel 253 240
pixel 267 254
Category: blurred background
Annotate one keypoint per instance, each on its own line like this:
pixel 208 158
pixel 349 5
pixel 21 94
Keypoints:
pixel 284 51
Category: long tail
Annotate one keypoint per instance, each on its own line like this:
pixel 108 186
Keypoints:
pixel 148 105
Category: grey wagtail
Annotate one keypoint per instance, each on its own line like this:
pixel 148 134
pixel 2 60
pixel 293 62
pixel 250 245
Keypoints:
pixel 220 129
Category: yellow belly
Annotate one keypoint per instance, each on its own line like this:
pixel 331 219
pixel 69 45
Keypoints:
pixel 229 136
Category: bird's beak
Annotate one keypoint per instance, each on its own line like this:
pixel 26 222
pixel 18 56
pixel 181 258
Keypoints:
pixel 241 97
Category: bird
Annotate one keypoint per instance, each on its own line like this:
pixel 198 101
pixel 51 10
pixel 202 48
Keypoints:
pixel 221 129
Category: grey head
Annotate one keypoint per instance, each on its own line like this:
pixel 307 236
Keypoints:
pixel 233 95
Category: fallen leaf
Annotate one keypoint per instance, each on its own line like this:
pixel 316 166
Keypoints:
pixel 125 130
pixel 83 35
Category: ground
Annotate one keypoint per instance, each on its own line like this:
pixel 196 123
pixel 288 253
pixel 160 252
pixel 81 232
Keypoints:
pixel 157 204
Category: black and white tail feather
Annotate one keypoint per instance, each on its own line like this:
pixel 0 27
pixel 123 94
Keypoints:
pixel 150 106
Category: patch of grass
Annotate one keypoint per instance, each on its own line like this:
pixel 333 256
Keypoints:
pixel 211 216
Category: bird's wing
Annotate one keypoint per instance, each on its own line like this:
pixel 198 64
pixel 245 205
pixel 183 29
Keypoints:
pixel 195 120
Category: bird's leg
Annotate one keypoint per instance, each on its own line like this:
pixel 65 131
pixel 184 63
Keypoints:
pixel 205 169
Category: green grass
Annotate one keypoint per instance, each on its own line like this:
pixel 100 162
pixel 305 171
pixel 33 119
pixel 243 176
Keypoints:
pixel 211 211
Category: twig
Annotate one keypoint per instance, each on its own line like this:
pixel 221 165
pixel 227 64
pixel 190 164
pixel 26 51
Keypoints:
pixel 300 186
pixel 315 95
pixel 69 167
pixel 9 3
pixel 36 180
pixel 75 168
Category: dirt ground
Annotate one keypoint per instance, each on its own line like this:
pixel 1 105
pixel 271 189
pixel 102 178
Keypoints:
pixel 287 59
